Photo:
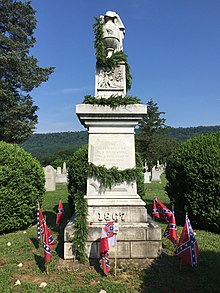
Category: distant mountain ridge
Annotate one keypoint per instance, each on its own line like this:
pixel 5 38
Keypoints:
pixel 48 143
pixel 181 134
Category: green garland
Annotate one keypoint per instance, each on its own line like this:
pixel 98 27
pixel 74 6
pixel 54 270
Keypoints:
pixel 113 101
pixel 81 226
pixel 115 59
pixel 112 176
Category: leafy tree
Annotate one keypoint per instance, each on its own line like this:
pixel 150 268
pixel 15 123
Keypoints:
pixel 19 72
pixel 150 140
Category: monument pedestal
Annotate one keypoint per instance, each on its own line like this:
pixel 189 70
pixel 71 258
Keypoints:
pixel 134 241
pixel 111 143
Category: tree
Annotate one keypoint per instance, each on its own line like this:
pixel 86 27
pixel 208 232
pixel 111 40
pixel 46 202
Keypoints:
pixel 19 72
pixel 150 140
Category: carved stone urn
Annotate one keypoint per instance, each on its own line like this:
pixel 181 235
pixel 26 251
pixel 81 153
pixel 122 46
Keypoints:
pixel 111 36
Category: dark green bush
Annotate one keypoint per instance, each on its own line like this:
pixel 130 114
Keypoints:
pixel 21 186
pixel 193 174
pixel 77 174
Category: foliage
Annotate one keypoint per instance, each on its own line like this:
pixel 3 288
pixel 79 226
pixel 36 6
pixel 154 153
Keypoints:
pixel 115 59
pixel 181 134
pixel 193 174
pixel 111 176
pixel 140 176
pixel 150 139
pixel 19 71
pixel 80 226
pixel 113 101
pixel 48 147
pixel 77 174
pixel 21 186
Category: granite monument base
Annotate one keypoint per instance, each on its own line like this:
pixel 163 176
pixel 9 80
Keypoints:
pixel 134 241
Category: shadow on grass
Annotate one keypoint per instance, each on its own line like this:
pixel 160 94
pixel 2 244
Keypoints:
pixel 50 218
pixel 35 242
pixel 170 274
pixel 94 260
pixel 40 262
pixel 60 242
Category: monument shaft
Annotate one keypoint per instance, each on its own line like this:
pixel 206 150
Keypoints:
pixel 112 144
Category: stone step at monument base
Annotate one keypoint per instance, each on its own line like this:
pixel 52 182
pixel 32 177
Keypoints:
pixel 134 241
pixel 124 209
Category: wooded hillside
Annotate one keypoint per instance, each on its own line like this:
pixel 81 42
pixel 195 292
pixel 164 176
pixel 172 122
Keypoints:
pixel 44 146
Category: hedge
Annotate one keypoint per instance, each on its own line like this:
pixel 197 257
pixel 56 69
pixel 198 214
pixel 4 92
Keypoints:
pixel 193 174
pixel 21 187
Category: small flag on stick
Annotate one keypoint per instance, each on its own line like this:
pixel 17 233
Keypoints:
pixel 162 212
pixel 108 239
pixel 40 224
pixel 49 243
pixel 187 247
pixel 60 215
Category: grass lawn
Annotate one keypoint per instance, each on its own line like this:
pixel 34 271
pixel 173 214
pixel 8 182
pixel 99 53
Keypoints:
pixel 166 274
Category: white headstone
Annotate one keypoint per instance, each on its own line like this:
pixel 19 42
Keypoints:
pixel 155 174
pixel 147 177
pixel 50 178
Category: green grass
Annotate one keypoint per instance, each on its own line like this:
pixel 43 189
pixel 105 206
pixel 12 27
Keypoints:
pixel 166 274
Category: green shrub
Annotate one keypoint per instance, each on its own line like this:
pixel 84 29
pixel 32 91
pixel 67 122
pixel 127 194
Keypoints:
pixel 77 174
pixel 21 186
pixel 193 174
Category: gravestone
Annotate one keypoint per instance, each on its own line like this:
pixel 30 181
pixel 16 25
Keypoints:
pixel 64 168
pixel 147 177
pixel 50 178
pixel 61 175
pixel 112 144
pixel 156 172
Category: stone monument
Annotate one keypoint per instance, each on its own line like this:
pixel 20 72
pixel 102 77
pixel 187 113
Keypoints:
pixel 112 144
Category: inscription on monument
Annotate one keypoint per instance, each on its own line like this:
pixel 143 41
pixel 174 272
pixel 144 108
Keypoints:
pixel 107 216
pixel 111 153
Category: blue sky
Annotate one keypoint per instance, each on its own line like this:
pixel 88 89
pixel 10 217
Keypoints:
pixel 173 49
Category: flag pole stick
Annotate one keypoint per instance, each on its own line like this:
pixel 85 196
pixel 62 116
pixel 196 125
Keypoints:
pixel 116 231
pixel 46 263
pixel 116 258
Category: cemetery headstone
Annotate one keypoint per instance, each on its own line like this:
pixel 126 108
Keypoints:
pixel 50 178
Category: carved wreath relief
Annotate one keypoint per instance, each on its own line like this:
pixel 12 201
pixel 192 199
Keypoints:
pixel 110 78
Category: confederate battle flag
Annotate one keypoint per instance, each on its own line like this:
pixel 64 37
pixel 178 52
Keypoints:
pixel 60 215
pixel 48 243
pixel 108 239
pixel 162 212
pixel 187 248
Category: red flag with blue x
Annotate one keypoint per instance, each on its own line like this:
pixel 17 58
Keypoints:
pixel 187 248
pixel 49 243
pixel 60 215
